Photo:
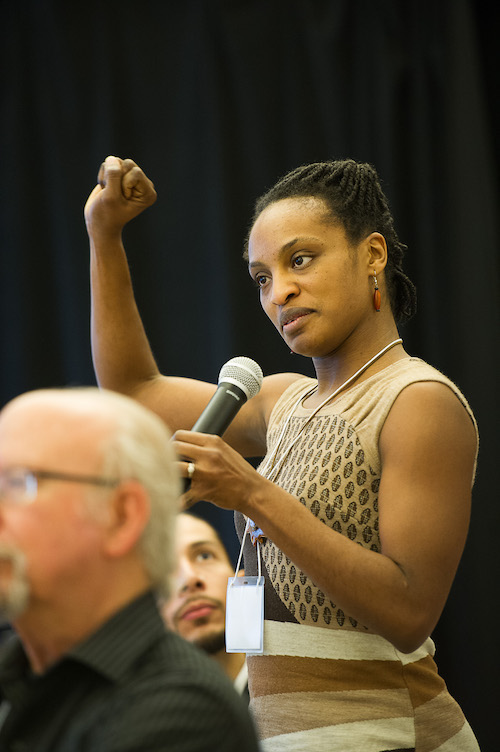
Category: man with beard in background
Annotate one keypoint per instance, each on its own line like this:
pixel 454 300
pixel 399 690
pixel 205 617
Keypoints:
pixel 197 605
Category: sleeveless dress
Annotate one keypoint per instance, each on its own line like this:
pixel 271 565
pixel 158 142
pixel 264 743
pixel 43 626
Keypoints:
pixel 326 682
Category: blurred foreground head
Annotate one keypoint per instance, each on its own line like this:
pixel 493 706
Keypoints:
pixel 88 498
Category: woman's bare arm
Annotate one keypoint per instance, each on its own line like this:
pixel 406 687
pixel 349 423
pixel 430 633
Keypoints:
pixel 428 447
pixel 122 356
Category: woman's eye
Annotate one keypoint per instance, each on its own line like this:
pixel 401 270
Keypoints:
pixel 301 260
pixel 260 280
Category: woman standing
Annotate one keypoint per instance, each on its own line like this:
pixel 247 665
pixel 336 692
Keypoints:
pixel 361 505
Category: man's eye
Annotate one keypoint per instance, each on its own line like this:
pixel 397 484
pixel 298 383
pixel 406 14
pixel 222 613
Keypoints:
pixel 204 555
pixel 260 280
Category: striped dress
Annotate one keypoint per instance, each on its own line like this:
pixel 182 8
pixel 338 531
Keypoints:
pixel 325 682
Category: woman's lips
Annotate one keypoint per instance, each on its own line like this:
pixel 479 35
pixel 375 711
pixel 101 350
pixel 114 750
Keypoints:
pixel 292 318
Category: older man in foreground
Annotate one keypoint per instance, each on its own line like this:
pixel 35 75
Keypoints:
pixel 88 499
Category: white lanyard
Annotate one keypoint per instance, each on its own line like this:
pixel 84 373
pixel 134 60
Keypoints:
pixel 245 595
pixel 245 609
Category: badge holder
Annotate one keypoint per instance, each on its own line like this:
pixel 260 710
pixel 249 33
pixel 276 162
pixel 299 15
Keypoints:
pixel 245 610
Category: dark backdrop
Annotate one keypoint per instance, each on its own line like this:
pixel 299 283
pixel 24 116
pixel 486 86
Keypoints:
pixel 216 100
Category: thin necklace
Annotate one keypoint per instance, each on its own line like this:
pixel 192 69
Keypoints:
pixel 271 466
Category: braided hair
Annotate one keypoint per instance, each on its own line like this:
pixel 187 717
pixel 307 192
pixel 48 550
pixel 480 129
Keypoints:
pixel 353 193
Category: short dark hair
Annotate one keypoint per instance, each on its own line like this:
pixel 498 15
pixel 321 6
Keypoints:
pixel 353 193
pixel 190 512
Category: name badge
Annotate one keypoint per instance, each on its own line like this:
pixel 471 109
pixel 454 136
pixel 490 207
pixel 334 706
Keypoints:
pixel 245 615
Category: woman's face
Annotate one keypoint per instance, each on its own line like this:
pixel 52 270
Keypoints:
pixel 314 285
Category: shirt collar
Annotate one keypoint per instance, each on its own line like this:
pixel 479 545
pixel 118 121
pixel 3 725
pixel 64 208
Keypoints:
pixel 241 680
pixel 110 650
pixel 115 646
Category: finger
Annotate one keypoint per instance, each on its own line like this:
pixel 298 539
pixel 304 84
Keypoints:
pixel 194 437
pixel 136 185
pixel 186 453
pixel 100 176
pixel 128 164
pixel 188 469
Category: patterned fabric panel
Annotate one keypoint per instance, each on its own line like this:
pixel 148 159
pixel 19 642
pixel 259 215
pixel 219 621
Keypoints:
pixel 328 473
pixel 361 695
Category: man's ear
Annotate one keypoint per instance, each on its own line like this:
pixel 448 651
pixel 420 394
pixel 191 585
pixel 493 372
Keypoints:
pixel 129 513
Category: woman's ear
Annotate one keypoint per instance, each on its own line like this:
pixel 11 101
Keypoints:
pixel 129 513
pixel 377 252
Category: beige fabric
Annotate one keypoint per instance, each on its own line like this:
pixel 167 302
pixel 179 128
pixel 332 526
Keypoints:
pixel 325 682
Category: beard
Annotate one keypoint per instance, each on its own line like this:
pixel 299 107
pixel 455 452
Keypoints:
pixel 14 587
pixel 213 642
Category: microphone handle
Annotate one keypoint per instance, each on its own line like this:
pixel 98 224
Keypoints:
pixel 221 409
pixel 219 413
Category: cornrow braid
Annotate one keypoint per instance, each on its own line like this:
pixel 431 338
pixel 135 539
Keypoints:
pixel 355 197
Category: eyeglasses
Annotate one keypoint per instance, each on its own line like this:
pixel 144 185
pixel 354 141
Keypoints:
pixel 20 484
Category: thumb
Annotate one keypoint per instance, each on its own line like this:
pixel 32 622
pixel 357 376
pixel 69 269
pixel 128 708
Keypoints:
pixel 110 175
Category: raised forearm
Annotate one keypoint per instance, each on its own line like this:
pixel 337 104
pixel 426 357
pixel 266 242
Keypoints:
pixel 123 360
pixel 120 349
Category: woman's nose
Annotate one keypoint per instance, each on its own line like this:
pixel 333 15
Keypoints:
pixel 284 287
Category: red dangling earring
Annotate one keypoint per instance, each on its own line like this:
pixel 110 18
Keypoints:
pixel 376 294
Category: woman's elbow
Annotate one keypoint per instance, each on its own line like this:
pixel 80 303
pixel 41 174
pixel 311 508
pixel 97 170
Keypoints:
pixel 411 634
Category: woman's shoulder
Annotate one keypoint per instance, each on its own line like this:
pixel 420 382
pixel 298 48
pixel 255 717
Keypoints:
pixel 279 386
pixel 413 370
pixel 284 390
pixel 420 383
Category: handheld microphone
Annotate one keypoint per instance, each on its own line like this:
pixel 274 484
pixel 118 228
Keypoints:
pixel 240 379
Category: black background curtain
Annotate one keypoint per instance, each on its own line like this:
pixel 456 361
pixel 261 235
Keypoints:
pixel 215 100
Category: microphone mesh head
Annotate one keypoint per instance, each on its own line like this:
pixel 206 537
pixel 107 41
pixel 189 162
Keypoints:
pixel 245 373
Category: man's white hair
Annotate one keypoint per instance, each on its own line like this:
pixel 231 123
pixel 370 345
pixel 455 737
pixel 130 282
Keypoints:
pixel 140 447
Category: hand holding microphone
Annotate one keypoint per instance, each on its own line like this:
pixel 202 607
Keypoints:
pixel 240 379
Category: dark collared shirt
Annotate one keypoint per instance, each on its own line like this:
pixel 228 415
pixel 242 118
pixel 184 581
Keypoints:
pixel 132 686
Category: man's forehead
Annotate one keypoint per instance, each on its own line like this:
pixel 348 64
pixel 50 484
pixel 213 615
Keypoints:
pixel 192 532
pixel 36 426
